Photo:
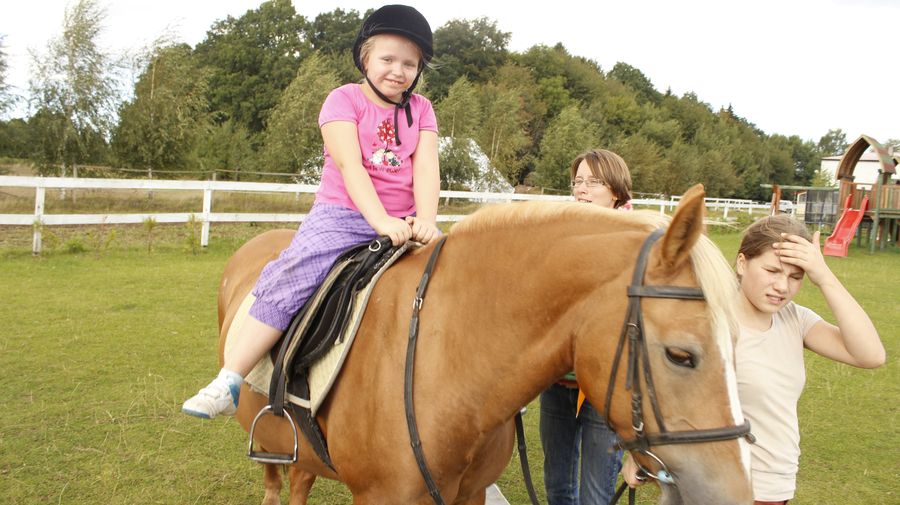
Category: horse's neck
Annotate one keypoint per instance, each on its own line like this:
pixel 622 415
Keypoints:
pixel 515 321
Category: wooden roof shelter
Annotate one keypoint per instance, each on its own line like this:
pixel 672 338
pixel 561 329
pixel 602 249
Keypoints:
pixel 884 196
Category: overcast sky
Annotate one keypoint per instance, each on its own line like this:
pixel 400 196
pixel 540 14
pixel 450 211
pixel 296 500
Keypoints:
pixel 794 67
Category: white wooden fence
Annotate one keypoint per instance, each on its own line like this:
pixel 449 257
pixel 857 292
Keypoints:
pixel 206 216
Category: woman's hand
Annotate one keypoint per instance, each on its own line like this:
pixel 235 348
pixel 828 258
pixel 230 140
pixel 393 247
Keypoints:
pixel 797 251
pixel 630 472
pixel 423 231
pixel 397 229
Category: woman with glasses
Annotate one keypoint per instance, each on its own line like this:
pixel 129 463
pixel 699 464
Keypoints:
pixel 580 465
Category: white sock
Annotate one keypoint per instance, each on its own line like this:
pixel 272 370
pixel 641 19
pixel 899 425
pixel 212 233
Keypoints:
pixel 230 377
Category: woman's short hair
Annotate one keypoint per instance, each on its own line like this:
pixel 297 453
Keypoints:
pixel 610 168
pixel 759 236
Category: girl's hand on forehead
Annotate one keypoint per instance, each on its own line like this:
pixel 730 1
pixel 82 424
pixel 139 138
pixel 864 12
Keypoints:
pixel 796 250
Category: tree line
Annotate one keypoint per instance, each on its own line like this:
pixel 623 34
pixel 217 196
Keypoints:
pixel 244 103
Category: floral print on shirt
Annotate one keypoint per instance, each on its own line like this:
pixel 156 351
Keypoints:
pixel 383 159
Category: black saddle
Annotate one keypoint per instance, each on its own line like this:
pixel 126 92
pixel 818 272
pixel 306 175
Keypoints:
pixel 313 331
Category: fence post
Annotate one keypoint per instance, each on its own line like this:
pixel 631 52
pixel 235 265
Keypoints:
pixel 725 212
pixel 39 192
pixel 207 206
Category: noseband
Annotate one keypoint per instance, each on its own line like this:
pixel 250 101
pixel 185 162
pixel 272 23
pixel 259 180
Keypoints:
pixel 638 358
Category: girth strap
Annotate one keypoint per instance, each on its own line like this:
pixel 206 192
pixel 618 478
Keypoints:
pixel 414 439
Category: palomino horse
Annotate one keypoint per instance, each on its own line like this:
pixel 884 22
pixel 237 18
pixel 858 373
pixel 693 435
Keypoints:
pixel 521 294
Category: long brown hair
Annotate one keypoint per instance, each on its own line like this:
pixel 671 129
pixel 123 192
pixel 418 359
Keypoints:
pixel 759 236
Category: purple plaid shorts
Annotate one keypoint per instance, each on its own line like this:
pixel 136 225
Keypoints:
pixel 289 280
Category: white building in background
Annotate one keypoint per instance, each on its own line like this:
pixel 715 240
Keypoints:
pixel 866 171
pixel 488 180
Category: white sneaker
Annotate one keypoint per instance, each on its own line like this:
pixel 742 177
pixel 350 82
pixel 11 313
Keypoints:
pixel 218 398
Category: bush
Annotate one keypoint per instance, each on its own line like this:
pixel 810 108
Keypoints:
pixel 74 245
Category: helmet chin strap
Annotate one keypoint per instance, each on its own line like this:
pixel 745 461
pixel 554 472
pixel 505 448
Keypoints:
pixel 402 104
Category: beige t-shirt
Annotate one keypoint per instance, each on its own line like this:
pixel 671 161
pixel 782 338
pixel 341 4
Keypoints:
pixel 771 376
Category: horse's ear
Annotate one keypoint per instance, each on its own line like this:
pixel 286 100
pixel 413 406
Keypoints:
pixel 685 229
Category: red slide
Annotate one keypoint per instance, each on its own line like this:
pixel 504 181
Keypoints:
pixel 845 229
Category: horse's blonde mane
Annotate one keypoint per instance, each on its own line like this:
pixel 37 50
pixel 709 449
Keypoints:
pixel 713 273
pixel 534 213
pixel 718 283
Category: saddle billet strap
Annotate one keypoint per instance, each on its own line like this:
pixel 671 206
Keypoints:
pixel 310 428
pixel 523 459
pixel 414 439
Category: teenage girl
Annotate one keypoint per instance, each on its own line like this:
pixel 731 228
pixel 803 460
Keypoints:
pixel 775 254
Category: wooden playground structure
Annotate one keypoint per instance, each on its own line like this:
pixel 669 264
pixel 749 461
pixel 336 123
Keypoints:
pixel 874 207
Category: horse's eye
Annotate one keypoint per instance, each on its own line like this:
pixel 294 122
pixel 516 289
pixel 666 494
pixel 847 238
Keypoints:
pixel 680 357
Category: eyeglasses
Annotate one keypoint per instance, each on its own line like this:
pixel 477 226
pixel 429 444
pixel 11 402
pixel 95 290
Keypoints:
pixel 590 182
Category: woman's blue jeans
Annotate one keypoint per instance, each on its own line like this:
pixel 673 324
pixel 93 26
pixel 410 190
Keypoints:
pixel 564 438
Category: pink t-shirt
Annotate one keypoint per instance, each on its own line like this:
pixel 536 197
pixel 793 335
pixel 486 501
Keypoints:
pixel 389 165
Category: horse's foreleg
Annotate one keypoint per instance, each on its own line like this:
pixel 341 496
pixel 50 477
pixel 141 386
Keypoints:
pixel 301 483
pixel 272 484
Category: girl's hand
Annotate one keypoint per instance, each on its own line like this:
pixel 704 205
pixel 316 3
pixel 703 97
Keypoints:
pixel 397 229
pixel 423 231
pixel 797 251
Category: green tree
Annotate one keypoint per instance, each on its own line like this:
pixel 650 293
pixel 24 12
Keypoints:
pixel 833 143
pixel 335 32
pixel 806 159
pixel 582 78
pixel 292 141
pixel 690 113
pixel 458 165
pixel 568 135
pixel 715 171
pixel 7 97
pixel 778 161
pixel 252 60
pixel 502 135
pixel 225 148
pixel 459 115
pixel 646 162
pixel 534 113
pixel 159 126
pixel 75 85
pixel 823 179
pixel 622 112
pixel 637 81
pixel 682 169
pixel 16 139
pixel 472 48
pixel 663 133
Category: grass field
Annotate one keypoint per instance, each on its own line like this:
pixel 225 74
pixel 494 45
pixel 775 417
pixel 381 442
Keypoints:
pixel 99 348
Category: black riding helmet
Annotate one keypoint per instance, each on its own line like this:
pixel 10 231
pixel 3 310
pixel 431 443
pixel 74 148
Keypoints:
pixel 407 22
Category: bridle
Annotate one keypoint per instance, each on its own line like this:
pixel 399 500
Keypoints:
pixel 638 359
